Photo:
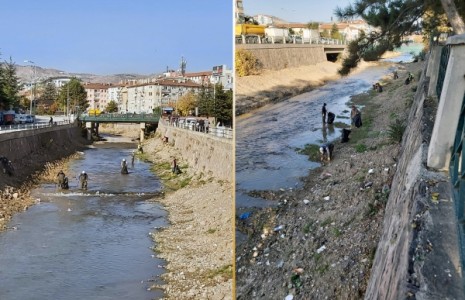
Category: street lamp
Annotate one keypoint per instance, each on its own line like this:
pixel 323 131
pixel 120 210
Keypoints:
pixel 33 82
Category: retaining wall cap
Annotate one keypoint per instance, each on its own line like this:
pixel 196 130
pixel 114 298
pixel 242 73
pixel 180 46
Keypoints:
pixel 456 40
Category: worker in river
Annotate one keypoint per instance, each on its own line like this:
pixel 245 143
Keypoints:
pixel 62 180
pixel 83 177
pixel 124 167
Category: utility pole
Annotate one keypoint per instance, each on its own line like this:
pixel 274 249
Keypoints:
pixel 32 82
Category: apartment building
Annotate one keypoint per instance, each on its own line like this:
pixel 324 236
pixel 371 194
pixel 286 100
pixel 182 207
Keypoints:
pixel 97 95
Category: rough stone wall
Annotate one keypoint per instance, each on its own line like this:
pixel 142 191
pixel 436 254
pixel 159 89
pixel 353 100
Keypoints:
pixel 30 150
pixel 205 153
pixel 412 259
pixel 277 57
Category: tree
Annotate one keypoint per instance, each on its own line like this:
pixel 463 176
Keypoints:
pixel 186 104
pixel 77 96
pixel 205 102
pixel 313 25
pixel 335 34
pixel 10 84
pixel 112 107
pixel 393 21
pixel 49 94
pixel 223 105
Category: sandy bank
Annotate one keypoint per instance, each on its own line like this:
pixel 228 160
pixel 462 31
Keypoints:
pixel 198 243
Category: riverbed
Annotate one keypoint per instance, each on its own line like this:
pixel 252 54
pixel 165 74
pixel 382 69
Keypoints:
pixel 87 244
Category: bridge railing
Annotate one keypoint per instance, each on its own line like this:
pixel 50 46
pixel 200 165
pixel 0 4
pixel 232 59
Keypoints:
pixel 118 117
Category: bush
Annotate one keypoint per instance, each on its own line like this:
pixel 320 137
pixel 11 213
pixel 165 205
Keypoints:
pixel 396 131
pixel 245 63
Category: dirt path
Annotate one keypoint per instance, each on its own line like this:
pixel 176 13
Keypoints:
pixel 328 231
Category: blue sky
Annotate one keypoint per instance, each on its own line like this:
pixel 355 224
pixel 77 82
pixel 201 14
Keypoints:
pixel 295 10
pixel 117 36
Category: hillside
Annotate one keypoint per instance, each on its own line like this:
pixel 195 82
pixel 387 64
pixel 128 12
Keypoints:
pixel 25 73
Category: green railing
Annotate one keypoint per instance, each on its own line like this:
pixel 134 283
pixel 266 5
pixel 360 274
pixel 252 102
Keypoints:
pixel 445 51
pixel 121 118
pixel 457 175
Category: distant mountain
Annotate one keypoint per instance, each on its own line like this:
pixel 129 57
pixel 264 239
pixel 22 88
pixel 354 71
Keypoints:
pixel 25 73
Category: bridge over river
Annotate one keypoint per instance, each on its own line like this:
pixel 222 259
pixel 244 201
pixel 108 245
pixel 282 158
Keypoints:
pixel 92 121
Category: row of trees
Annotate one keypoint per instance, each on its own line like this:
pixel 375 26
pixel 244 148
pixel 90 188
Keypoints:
pixel 210 102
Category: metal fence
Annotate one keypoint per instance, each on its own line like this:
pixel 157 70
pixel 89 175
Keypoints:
pixel 457 174
pixel 30 126
pixel 445 51
pixel 221 131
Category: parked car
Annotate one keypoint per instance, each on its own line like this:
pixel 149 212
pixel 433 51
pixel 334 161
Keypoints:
pixel 30 119
pixel 191 123
pixel 20 119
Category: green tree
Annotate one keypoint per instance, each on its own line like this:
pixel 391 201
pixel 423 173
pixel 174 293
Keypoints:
pixel 205 102
pixel 394 20
pixel 50 93
pixel 10 84
pixel 313 25
pixel 77 96
pixel 223 103
pixel 325 33
pixel 112 107
pixel 335 34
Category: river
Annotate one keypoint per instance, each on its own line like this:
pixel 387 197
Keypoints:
pixel 267 138
pixel 92 244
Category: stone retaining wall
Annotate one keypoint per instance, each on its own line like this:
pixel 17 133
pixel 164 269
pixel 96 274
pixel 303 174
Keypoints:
pixel 410 261
pixel 30 150
pixel 277 57
pixel 205 153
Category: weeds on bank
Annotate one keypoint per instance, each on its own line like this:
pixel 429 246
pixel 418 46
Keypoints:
pixel 396 131
pixel 311 150
pixel 225 272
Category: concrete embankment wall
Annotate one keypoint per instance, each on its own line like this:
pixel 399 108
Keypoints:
pixel 205 153
pixel 277 57
pixel 408 258
pixel 30 150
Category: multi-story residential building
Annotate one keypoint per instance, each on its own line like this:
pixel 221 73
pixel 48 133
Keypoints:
pixel 144 98
pixel 202 78
pixel 221 74
pixel 349 30
pixel 115 93
pixel 97 95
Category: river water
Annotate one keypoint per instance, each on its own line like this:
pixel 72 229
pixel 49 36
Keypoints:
pixel 267 138
pixel 92 244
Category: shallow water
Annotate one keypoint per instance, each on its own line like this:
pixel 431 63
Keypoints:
pixel 267 139
pixel 92 244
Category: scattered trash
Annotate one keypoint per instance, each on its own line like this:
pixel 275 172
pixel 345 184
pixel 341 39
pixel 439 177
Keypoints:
pixel 371 171
pixel 69 209
pixel 278 228
pixel 255 254
pixel 386 169
pixel 435 197
pixel 325 175
pixel 298 270
pixel 282 190
pixel 306 201
pixel 321 249
pixel 245 216
pixel 280 264
pixel 368 184
pixel 326 198
pixel 289 297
